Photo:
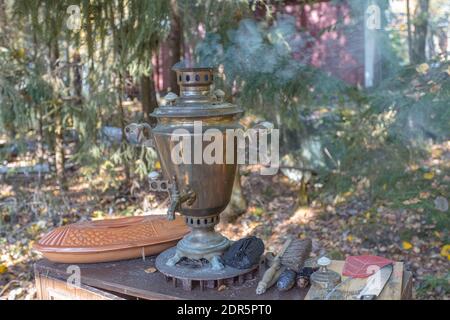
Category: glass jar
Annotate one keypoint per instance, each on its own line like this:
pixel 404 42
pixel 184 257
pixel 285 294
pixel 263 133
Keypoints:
pixel 323 280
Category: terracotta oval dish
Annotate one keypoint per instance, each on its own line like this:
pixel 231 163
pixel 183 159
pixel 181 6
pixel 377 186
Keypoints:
pixel 111 239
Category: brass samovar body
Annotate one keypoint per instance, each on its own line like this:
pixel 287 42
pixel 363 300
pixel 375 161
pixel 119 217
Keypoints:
pixel 199 191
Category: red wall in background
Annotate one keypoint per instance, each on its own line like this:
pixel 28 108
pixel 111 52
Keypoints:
pixel 341 51
pixel 162 69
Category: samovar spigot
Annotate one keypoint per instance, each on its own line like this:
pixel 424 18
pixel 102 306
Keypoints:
pixel 177 198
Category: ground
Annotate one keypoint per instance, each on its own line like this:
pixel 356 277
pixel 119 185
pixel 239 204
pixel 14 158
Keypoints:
pixel 349 224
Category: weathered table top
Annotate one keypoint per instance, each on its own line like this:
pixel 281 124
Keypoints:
pixel 129 279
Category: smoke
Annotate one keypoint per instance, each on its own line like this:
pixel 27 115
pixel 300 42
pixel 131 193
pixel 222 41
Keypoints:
pixel 257 48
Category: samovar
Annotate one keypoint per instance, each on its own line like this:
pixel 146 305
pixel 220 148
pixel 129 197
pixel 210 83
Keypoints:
pixel 199 191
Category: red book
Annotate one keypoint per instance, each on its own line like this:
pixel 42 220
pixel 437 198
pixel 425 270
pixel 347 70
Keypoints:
pixel 363 266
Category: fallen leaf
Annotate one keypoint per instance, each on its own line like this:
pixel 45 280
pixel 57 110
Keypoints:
pixel 423 68
pixel 435 88
pixel 445 251
pixel 436 153
pixel 150 270
pixel 3 268
pixel 222 287
pixel 428 175
pixel 411 201
pixel 424 195
pixel 407 245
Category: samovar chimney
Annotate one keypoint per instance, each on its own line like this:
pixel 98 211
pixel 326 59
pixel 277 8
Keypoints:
pixel 194 82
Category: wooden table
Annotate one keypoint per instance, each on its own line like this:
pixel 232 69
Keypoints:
pixel 134 279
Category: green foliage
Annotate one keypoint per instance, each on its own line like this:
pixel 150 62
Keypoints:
pixel 13 109
pixel 30 91
pixel 432 283
pixel 117 40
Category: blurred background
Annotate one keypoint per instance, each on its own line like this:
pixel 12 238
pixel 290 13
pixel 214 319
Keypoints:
pixel 360 91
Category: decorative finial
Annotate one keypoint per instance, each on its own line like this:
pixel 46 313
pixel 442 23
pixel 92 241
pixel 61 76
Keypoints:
pixel 171 98
pixel 220 95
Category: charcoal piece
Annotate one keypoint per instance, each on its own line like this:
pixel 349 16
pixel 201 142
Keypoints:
pixel 244 253
pixel 307 271
pixel 302 282
pixel 286 280
pixel 303 277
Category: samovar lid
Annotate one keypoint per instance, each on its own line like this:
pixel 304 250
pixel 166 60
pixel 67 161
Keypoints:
pixel 196 98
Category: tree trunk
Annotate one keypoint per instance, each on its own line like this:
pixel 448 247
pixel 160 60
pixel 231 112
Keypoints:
pixel 59 147
pixel 420 31
pixel 408 22
pixel 174 43
pixel 40 135
pixel 58 122
pixel 148 98
pixel 77 79
pixel 122 126
pixel 3 22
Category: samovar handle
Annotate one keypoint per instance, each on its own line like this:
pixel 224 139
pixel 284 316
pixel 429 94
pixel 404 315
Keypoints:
pixel 140 134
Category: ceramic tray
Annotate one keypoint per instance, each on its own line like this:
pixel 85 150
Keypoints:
pixel 111 239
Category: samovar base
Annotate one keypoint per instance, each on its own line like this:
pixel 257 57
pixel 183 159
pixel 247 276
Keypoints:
pixel 193 275
pixel 214 260
pixel 203 242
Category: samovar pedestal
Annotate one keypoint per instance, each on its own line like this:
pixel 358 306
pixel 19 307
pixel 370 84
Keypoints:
pixel 203 242
pixel 192 274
